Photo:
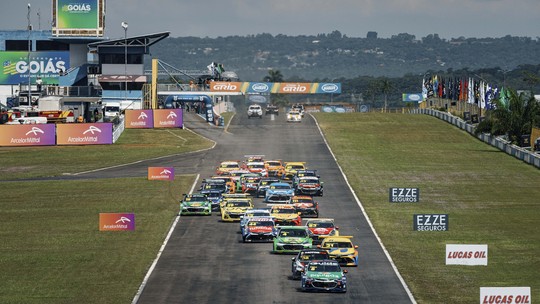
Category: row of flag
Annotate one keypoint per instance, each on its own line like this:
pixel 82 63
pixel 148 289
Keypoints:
pixel 465 89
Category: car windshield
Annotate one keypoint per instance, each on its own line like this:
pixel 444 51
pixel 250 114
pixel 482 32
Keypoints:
pixel 227 166
pixel 238 204
pixel 213 195
pixel 293 233
pixel 307 180
pixel 320 225
pixel 273 163
pixel 195 199
pixel 314 256
pixel 338 245
pixel 284 210
pixel 302 201
pixel 256 166
pixel 324 267
pixel 280 187
pixel 295 167
pixel 214 187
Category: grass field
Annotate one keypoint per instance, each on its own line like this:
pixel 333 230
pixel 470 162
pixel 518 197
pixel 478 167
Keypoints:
pixel 491 198
pixel 52 250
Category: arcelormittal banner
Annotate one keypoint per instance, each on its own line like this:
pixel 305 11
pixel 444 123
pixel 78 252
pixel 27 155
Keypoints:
pixel 168 118
pixel 27 135
pixel 139 119
pixel 84 134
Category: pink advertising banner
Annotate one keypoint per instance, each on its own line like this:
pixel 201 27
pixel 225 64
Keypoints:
pixel 116 221
pixel 168 118
pixel 84 134
pixel 139 119
pixel 27 135
pixel 161 173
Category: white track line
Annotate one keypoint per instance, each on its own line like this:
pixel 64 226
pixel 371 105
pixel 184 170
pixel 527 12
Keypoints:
pixel 411 297
pixel 151 269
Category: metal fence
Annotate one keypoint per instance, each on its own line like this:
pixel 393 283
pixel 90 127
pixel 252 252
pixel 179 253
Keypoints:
pixel 499 143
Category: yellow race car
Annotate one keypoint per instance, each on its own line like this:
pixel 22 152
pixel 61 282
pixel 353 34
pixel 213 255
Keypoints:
pixel 234 208
pixel 341 249
pixel 273 167
pixel 228 166
pixel 290 168
pixel 286 215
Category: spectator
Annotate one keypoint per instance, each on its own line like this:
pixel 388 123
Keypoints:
pixel 39 83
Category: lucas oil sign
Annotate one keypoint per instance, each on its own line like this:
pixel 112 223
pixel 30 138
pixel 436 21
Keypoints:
pixel 404 195
pixel 457 254
pixel 430 222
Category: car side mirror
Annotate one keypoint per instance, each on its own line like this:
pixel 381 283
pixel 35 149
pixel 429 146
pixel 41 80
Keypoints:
pixel 345 271
pixel 319 246
pixel 355 246
pixel 337 228
pixel 293 259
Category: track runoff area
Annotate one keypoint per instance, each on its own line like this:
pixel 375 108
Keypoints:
pixel 204 258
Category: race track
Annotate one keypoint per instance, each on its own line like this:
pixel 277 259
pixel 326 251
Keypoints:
pixel 205 260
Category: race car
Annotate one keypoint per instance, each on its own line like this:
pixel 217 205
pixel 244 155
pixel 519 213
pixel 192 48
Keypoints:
pixel 278 193
pixel 291 239
pixel 232 196
pixel 286 215
pixel 303 173
pixel 262 229
pixel 325 275
pixel 227 166
pixel 273 167
pixel 253 213
pixel 195 204
pixel 320 228
pixel 341 249
pixel 309 185
pixel 305 256
pixel 306 205
pixel 294 116
pixel 234 209
pixel 272 109
pixel 254 158
pixel 264 184
pixel 290 169
pixel 299 107
pixel 250 184
pixel 255 111
pixel 229 182
pixel 257 167
pixel 240 182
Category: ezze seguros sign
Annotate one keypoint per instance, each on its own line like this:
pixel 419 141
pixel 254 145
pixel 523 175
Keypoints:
pixel 404 195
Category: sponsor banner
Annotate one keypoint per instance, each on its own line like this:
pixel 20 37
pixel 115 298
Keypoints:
pixel 276 87
pixel 116 221
pixel 77 14
pixel 505 295
pixel 257 87
pixel 337 109
pixel 430 222
pixel 470 255
pixel 225 86
pixel 168 118
pixel 414 97
pixel 47 65
pixel 404 195
pixel 27 135
pixel 139 119
pixel 161 173
pixel 84 134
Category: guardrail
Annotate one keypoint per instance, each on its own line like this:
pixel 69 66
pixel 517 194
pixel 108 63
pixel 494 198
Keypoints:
pixel 505 146
pixel 118 129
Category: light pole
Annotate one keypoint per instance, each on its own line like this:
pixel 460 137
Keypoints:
pixel 125 26
pixel 29 50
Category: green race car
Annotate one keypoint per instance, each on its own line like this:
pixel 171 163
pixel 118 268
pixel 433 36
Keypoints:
pixel 292 239
pixel 195 204
pixel 324 275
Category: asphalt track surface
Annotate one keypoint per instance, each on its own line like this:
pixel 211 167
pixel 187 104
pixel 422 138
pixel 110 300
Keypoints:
pixel 205 260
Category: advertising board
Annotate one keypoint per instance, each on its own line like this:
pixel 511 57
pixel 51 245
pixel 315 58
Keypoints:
pixel 139 119
pixel 27 135
pixel 16 69
pixel 116 221
pixel 161 173
pixel 84 134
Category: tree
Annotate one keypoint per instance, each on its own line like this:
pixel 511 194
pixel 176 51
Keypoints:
pixel 515 117
pixel 273 76
pixel 386 87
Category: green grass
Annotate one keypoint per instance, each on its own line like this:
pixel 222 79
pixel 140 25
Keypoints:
pixel 133 145
pixel 491 198
pixel 53 252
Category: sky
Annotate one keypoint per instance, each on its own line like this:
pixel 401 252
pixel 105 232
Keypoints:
pixel 354 18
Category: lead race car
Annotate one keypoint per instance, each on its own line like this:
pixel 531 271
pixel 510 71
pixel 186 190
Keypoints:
pixel 325 275
pixel 309 185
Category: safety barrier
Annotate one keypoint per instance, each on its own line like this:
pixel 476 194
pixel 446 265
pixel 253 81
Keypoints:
pixel 499 143
pixel 118 129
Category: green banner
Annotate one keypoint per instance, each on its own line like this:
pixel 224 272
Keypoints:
pixel 77 14
pixel 16 69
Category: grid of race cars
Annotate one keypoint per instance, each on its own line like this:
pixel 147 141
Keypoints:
pixel 290 218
